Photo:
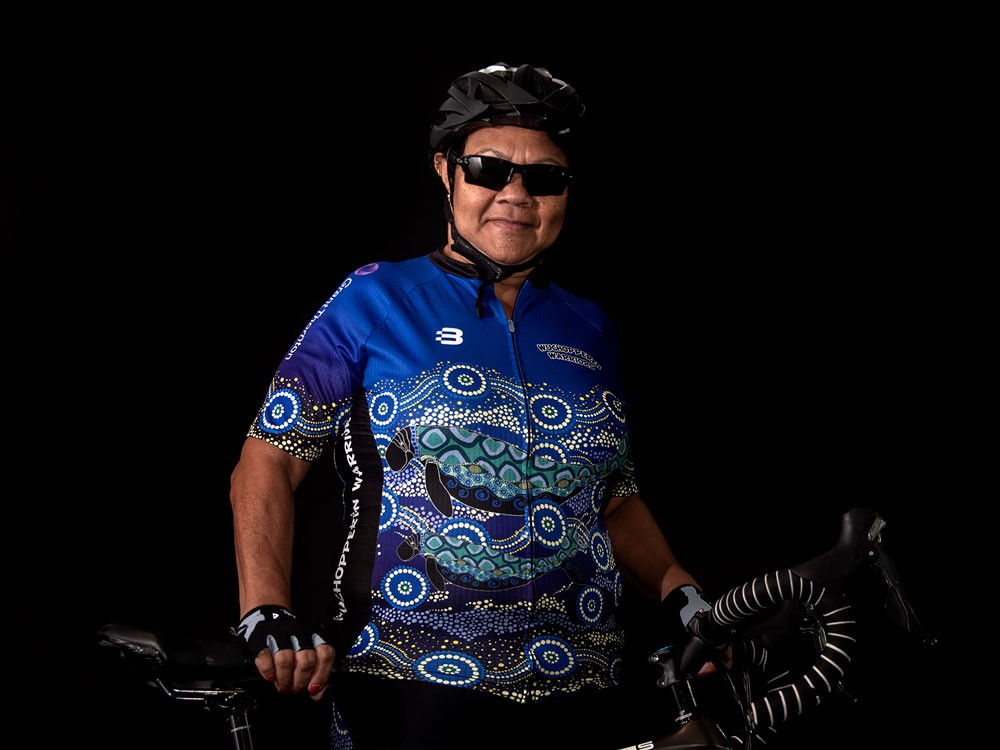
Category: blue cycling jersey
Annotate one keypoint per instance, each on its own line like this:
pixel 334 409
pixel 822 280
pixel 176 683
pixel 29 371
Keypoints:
pixel 478 454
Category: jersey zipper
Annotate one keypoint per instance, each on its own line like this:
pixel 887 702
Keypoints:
pixel 531 601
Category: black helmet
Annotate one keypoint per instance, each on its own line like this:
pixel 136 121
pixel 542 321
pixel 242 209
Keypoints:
pixel 503 95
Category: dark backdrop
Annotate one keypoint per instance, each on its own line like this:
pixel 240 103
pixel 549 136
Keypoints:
pixel 181 208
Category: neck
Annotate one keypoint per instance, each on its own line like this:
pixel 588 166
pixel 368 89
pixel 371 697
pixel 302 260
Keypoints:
pixel 505 289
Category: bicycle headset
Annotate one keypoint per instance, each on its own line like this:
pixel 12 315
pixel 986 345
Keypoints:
pixel 525 96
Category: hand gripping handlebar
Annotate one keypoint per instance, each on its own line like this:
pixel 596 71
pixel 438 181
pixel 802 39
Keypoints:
pixel 816 587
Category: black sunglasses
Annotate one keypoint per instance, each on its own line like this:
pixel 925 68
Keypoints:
pixel 492 173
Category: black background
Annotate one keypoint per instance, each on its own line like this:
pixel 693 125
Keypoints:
pixel 179 205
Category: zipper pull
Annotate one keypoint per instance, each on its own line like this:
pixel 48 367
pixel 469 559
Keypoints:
pixel 510 325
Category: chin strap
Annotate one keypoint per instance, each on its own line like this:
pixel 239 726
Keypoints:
pixel 483 267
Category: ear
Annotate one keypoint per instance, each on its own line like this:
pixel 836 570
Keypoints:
pixel 441 167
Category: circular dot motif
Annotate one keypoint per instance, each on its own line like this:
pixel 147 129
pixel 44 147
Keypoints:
pixel 552 656
pixel 365 641
pixel 550 453
pixel 280 412
pixel 615 669
pixel 548 523
pixel 600 550
pixel 470 531
pixel 382 441
pixel 405 587
pixel 590 605
pixel 449 668
pixel 464 380
pixel 595 501
pixel 550 413
pixel 383 408
pixel 614 405
pixel 390 510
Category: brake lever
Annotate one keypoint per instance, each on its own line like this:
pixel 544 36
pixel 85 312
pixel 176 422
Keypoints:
pixel 897 603
pixel 860 546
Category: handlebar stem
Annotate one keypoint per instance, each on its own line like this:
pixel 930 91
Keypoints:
pixel 678 682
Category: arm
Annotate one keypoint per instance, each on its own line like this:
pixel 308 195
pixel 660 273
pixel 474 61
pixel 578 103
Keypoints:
pixel 262 490
pixel 642 551
pixel 644 556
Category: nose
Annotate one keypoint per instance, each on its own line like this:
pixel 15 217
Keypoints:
pixel 514 190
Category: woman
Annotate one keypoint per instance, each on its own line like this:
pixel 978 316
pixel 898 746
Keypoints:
pixel 491 507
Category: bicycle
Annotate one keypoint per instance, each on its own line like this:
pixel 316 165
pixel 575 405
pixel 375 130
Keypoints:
pixel 791 631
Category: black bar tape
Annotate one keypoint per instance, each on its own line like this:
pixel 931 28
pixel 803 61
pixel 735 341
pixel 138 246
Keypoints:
pixel 834 613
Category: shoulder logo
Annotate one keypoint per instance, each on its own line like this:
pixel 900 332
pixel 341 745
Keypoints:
pixel 449 336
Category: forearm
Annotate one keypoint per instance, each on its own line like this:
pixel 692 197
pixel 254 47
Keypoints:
pixel 263 527
pixel 643 554
pixel 262 492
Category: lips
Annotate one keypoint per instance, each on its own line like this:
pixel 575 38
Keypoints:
pixel 509 223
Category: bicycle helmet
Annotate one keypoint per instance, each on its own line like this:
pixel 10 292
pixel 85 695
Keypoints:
pixel 503 95
pixel 500 94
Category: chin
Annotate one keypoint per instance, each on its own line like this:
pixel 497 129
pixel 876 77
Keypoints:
pixel 510 254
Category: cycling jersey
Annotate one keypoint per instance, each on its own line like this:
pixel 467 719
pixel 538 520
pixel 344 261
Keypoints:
pixel 478 454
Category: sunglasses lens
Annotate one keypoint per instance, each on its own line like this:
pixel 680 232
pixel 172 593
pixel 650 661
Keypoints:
pixel 492 173
pixel 544 179
pixel 487 172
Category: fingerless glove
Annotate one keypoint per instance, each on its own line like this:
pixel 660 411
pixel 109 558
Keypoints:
pixel 275 628
pixel 685 602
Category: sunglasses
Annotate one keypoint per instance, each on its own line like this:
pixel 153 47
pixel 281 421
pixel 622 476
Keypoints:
pixel 492 173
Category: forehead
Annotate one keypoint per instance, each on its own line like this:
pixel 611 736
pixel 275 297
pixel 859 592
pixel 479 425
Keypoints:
pixel 520 144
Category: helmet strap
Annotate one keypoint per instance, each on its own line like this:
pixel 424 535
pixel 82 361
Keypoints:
pixel 487 269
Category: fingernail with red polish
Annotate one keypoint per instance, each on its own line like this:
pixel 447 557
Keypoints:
pixel 314 688
pixel 271 677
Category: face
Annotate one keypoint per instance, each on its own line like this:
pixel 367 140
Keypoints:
pixel 509 225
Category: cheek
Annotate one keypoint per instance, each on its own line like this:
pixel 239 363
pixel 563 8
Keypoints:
pixel 469 205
